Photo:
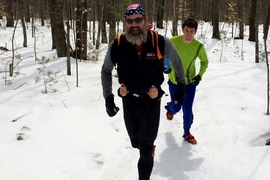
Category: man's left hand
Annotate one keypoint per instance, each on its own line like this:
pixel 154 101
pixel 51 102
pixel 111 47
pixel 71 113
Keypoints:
pixel 196 80
pixel 111 108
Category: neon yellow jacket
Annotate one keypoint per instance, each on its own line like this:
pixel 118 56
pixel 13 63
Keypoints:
pixel 189 54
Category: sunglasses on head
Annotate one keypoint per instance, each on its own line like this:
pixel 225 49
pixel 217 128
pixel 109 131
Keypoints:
pixel 137 20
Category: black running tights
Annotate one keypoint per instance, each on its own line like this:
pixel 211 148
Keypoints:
pixel 146 162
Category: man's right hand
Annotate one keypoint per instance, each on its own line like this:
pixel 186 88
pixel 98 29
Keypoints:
pixel 153 92
pixel 123 90
pixel 180 93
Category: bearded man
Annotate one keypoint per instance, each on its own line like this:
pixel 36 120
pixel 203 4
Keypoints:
pixel 140 76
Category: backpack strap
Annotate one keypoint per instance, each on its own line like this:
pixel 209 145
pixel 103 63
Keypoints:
pixel 119 38
pixel 155 37
pixel 114 51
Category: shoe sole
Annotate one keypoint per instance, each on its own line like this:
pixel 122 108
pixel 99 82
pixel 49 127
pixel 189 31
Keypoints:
pixel 169 118
pixel 191 140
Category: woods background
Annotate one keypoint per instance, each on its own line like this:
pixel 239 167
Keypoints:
pixel 66 15
pixel 80 25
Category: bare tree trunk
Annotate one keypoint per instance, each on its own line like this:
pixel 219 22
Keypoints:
pixel 27 11
pixel 194 9
pixel 35 40
pixel 33 19
pixel 241 19
pixel 41 7
pixel 52 18
pixel 68 11
pixel 112 20
pixel 94 23
pixel 100 19
pixel 166 19
pixel 105 19
pixel 9 10
pixel 252 20
pixel 266 25
pixel 103 32
pixel 20 9
pixel 265 35
pixel 215 17
pixel 58 31
pixel 160 12
pixel 256 43
pixel 175 18
pixel 81 30
pixel 11 66
pixel 256 25
pixel 268 83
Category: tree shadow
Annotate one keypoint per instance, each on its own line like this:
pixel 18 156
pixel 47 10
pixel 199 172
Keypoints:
pixel 176 161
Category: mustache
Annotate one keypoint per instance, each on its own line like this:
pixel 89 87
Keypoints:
pixel 135 27
pixel 136 38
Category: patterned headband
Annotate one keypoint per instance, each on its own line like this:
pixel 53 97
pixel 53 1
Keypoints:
pixel 134 9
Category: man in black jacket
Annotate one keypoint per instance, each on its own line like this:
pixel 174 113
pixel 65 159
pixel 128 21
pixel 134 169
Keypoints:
pixel 140 73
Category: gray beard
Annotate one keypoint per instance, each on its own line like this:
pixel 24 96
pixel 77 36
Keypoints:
pixel 137 38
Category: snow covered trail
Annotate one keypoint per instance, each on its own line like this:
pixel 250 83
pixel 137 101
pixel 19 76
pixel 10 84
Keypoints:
pixel 72 137
pixel 218 128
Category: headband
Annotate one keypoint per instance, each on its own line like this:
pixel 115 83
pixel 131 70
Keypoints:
pixel 134 9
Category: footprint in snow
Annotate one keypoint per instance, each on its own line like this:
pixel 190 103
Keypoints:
pixel 97 160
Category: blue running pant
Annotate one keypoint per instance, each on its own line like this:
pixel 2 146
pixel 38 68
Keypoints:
pixel 186 105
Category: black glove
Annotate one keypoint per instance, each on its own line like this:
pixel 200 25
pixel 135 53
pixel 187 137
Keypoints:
pixel 196 80
pixel 167 71
pixel 180 93
pixel 111 109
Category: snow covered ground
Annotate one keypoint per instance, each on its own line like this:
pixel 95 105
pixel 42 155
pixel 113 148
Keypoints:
pixel 68 135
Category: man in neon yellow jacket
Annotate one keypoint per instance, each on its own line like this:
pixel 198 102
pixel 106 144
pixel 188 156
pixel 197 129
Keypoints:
pixel 189 49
